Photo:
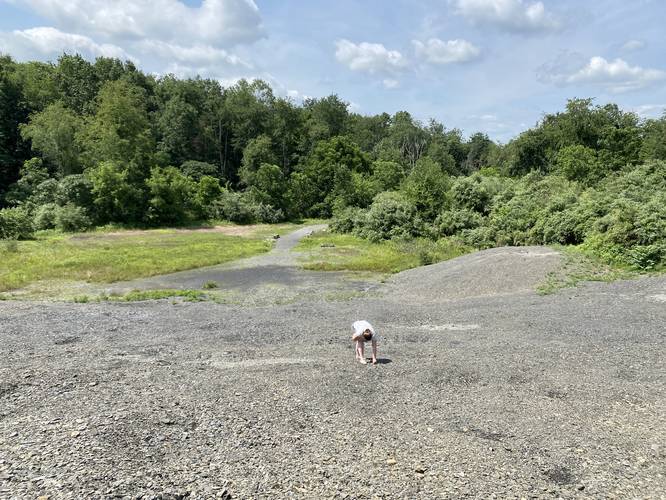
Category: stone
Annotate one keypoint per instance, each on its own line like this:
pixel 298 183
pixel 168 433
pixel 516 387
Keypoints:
pixel 391 461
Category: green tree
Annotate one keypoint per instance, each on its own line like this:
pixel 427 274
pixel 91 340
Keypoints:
pixel 325 118
pixel 171 196
pixel 53 133
pixel 269 186
pixel 116 199
pixel 387 174
pixel 120 130
pixel 427 188
pixel 258 151
pixel 76 82
pixel 578 163
pixel 177 127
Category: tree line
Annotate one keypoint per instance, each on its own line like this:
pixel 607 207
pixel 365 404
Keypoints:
pixel 90 143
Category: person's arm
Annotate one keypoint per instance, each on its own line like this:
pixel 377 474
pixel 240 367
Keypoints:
pixel 374 350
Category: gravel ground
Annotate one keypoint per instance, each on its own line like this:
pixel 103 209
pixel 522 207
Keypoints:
pixel 484 389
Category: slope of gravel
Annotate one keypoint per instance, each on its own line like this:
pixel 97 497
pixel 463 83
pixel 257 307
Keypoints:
pixel 497 392
pixel 497 271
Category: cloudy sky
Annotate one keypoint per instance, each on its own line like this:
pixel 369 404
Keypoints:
pixel 489 65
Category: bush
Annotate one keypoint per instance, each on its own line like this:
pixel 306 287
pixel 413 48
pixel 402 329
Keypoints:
pixel 15 224
pixel 45 216
pixel 451 222
pixel 75 189
pixel 268 214
pixel 171 196
pixel 235 207
pixel 348 220
pixel 198 169
pixel 208 190
pixel 390 216
pixel 71 218
pixel 471 193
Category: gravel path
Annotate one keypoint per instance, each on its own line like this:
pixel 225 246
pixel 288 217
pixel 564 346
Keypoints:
pixel 277 267
pixel 484 389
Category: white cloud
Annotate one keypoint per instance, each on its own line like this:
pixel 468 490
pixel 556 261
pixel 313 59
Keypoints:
pixel 632 45
pixel 390 83
pixel 51 43
pixel 437 51
pixel 617 75
pixel 650 110
pixel 369 57
pixel 197 55
pixel 516 16
pixel 218 22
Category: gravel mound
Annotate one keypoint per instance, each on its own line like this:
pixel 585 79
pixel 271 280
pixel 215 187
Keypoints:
pixel 498 271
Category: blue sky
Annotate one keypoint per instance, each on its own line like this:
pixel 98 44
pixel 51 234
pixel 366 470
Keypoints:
pixel 480 65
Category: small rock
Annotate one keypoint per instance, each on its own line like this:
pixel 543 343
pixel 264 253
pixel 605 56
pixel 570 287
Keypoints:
pixel 581 487
pixel 92 384
pixel 391 461
pixel 430 429
pixel 420 469
pixel 166 421
pixel 75 434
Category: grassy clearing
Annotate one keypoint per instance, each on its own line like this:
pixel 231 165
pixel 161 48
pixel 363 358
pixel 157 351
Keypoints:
pixel 141 295
pixel 98 257
pixel 325 251
pixel 579 266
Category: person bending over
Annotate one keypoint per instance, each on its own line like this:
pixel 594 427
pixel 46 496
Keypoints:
pixel 364 332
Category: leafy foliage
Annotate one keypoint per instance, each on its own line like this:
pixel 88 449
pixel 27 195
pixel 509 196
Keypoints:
pixel 85 143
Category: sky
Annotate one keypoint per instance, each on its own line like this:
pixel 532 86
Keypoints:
pixel 495 66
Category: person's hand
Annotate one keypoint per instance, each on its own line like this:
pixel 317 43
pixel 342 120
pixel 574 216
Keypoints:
pixel 374 361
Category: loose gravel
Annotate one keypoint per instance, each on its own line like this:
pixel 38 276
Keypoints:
pixel 484 390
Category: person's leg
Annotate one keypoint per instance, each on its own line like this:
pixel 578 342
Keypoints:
pixel 357 349
pixel 362 352
pixel 374 352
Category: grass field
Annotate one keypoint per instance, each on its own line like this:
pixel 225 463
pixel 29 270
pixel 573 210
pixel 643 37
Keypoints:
pixel 109 255
pixel 325 251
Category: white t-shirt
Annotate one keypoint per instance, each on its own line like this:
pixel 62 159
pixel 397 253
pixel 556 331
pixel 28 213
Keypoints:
pixel 359 327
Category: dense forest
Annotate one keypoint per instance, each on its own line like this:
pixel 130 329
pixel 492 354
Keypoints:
pixel 85 144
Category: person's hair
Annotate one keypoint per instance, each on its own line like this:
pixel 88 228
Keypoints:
pixel 367 335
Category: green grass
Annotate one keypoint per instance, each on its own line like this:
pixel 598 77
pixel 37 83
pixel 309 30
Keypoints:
pixel 101 258
pixel 326 251
pixel 141 295
pixel 579 266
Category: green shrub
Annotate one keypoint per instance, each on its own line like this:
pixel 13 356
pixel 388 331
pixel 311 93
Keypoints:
pixel 348 220
pixel 198 169
pixel 15 224
pixel 235 207
pixel 451 222
pixel 75 189
pixel 71 218
pixel 391 215
pixel 45 216
pixel 471 193
pixel 171 196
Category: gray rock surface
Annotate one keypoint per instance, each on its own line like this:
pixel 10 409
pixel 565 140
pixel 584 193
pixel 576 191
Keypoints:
pixel 484 389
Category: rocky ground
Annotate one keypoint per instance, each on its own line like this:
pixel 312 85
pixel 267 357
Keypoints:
pixel 484 389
